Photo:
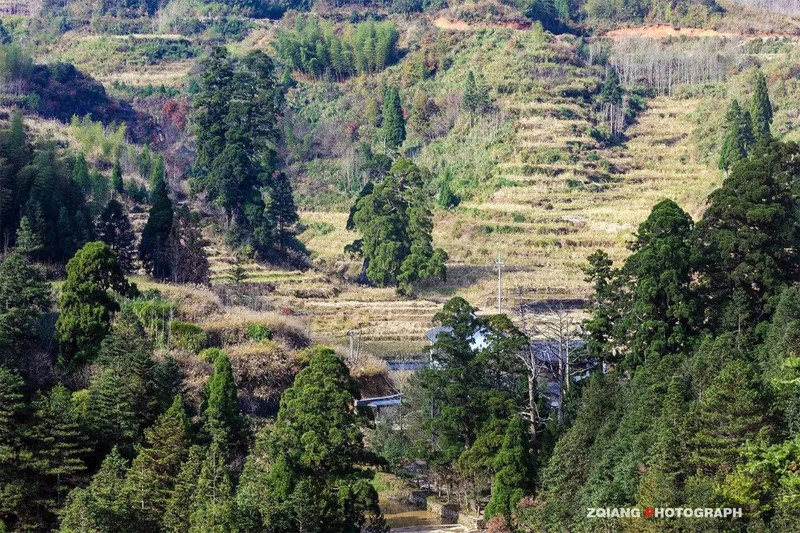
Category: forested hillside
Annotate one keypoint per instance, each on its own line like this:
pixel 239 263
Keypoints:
pixel 329 267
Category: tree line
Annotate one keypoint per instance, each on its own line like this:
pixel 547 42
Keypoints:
pixel 314 46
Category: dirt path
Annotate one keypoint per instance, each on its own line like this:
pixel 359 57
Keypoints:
pixel 662 31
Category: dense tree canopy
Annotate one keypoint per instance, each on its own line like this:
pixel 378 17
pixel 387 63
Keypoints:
pixel 395 223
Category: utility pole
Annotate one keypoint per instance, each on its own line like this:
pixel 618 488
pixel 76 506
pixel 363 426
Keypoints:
pixel 499 264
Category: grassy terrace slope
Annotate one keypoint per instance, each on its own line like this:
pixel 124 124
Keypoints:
pixel 551 195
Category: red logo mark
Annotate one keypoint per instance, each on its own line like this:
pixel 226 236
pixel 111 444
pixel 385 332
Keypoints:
pixel 648 512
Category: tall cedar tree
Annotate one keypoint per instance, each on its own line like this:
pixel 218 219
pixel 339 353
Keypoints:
pixel 122 398
pixel 282 210
pixel 153 474
pixel 394 123
pixel 223 421
pixel 153 246
pixel 214 503
pixel 60 446
pixel 306 474
pixel 14 486
pixel 86 303
pixel 660 315
pixel 745 245
pixel 395 223
pixel 738 136
pixel 237 133
pixel 103 505
pixel 730 413
pixel 177 515
pixel 114 228
pixel 185 249
pixel 761 110
pixel 24 296
pixel 158 175
pixel 475 98
pixel 117 183
pixel 513 479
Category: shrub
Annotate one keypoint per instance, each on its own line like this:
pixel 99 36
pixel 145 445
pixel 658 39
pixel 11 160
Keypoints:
pixel 188 336
pixel 209 355
pixel 259 332
pixel 155 313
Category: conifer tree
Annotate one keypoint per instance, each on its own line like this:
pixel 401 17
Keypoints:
pixel 153 474
pixel 761 110
pixel 28 243
pixel 223 421
pixel 303 474
pixel 24 296
pixel 86 302
pixel 116 178
pixel 177 516
pixel 102 506
pixel 475 98
pixel 80 173
pixel 60 446
pixel 185 250
pixel 738 136
pixel 394 123
pixel 513 477
pixel 153 246
pixel 661 270
pixel 12 481
pixel 213 508
pixel 114 228
pixel 282 209
pixel 158 176
pixel 730 412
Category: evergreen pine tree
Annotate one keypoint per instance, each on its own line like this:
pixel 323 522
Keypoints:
pixel 394 124
pixel 158 177
pixel 513 477
pixel 213 508
pixel 24 296
pixel 80 173
pixel 116 178
pixel 153 246
pixel 761 110
pixel 304 474
pixel 282 209
pixel 730 412
pixel 177 516
pixel 223 421
pixel 60 445
pixel 28 242
pixel 738 136
pixel 114 228
pixel 12 481
pixel 153 474
pixel 103 505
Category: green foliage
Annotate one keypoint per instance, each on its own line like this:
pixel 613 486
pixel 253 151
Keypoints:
pixel 395 223
pixel 114 229
pixel 153 245
pixel 304 473
pixel 24 296
pixel 761 110
pixel 222 420
pixel 738 136
pixel 282 211
pixel 153 473
pixel 236 128
pixel 475 98
pixel 664 307
pixel 315 47
pixel 103 505
pixel 513 477
pixel 259 332
pixel 86 302
pixel 187 336
pixel 393 129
